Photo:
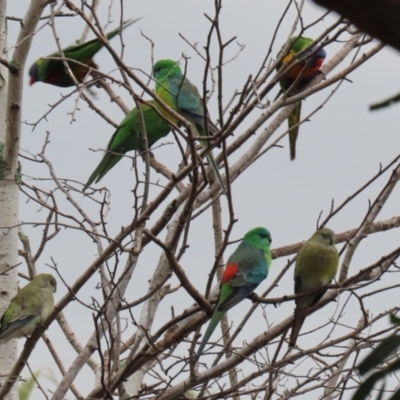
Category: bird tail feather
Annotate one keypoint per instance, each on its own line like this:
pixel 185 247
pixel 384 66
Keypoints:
pixel 210 329
pixel 214 166
pixel 294 119
pixel 299 317
pixel 125 24
pixel 199 130
pixel 108 161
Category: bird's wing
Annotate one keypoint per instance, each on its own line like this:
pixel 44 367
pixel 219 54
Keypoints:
pixel 297 283
pixel 240 287
pixel 238 294
pixel 25 307
pixel 252 265
pixel 123 132
pixel 189 102
pixel 188 97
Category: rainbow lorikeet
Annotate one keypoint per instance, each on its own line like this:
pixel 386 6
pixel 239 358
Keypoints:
pixel 129 136
pixel 304 71
pixel 316 265
pixel 246 268
pixel 53 72
pixel 182 96
pixel 28 308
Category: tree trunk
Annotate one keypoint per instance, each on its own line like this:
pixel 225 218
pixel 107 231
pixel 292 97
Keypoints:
pixel 11 85
pixel 9 192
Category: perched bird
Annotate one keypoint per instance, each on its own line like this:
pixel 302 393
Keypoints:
pixel 182 96
pixel 54 72
pixel 28 308
pixel 246 268
pixel 316 265
pixel 304 71
pixel 129 136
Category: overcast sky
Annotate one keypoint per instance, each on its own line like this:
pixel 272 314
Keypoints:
pixel 337 151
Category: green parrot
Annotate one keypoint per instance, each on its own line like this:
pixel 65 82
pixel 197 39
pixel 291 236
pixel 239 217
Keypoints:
pixel 129 135
pixel 182 96
pixel 316 265
pixel 54 72
pixel 28 308
pixel 306 71
pixel 245 269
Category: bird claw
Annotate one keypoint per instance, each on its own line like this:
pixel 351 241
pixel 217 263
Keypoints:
pixel 253 297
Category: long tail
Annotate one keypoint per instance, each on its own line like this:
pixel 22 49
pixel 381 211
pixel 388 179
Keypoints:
pixel 299 317
pixel 214 166
pixel 294 119
pixel 121 28
pixel 199 129
pixel 210 329
pixel 87 50
pixel 108 161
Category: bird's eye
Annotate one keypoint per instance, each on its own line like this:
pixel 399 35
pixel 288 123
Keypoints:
pixel 326 236
pixel 265 236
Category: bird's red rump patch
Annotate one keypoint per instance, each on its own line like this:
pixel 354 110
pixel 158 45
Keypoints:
pixel 318 62
pixel 229 272
pixel 309 71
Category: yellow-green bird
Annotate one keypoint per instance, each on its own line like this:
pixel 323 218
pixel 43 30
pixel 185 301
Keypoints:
pixel 31 306
pixel 316 265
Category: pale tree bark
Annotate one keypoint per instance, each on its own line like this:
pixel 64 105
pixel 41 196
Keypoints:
pixel 10 132
pixel 8 218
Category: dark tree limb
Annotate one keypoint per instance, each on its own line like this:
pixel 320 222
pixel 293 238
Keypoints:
pixel 378 18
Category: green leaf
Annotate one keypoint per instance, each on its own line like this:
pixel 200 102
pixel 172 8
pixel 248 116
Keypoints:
pixel 392 367
pixel 379 354
pixel 394 320
pixel 366 387
pixel 28 386
pixel 396 396
pixel 385 103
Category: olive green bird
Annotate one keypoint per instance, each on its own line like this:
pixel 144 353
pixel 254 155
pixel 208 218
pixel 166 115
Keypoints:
pixel 302 73
pixel 28 308
pixel 54 73
pixel 129 136
pixel 316 265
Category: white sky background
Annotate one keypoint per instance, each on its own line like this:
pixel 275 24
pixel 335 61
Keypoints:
pixel 338 151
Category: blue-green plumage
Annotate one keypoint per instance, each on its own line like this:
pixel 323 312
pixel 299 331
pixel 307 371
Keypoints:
pixel 179 93
pixel 245 269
